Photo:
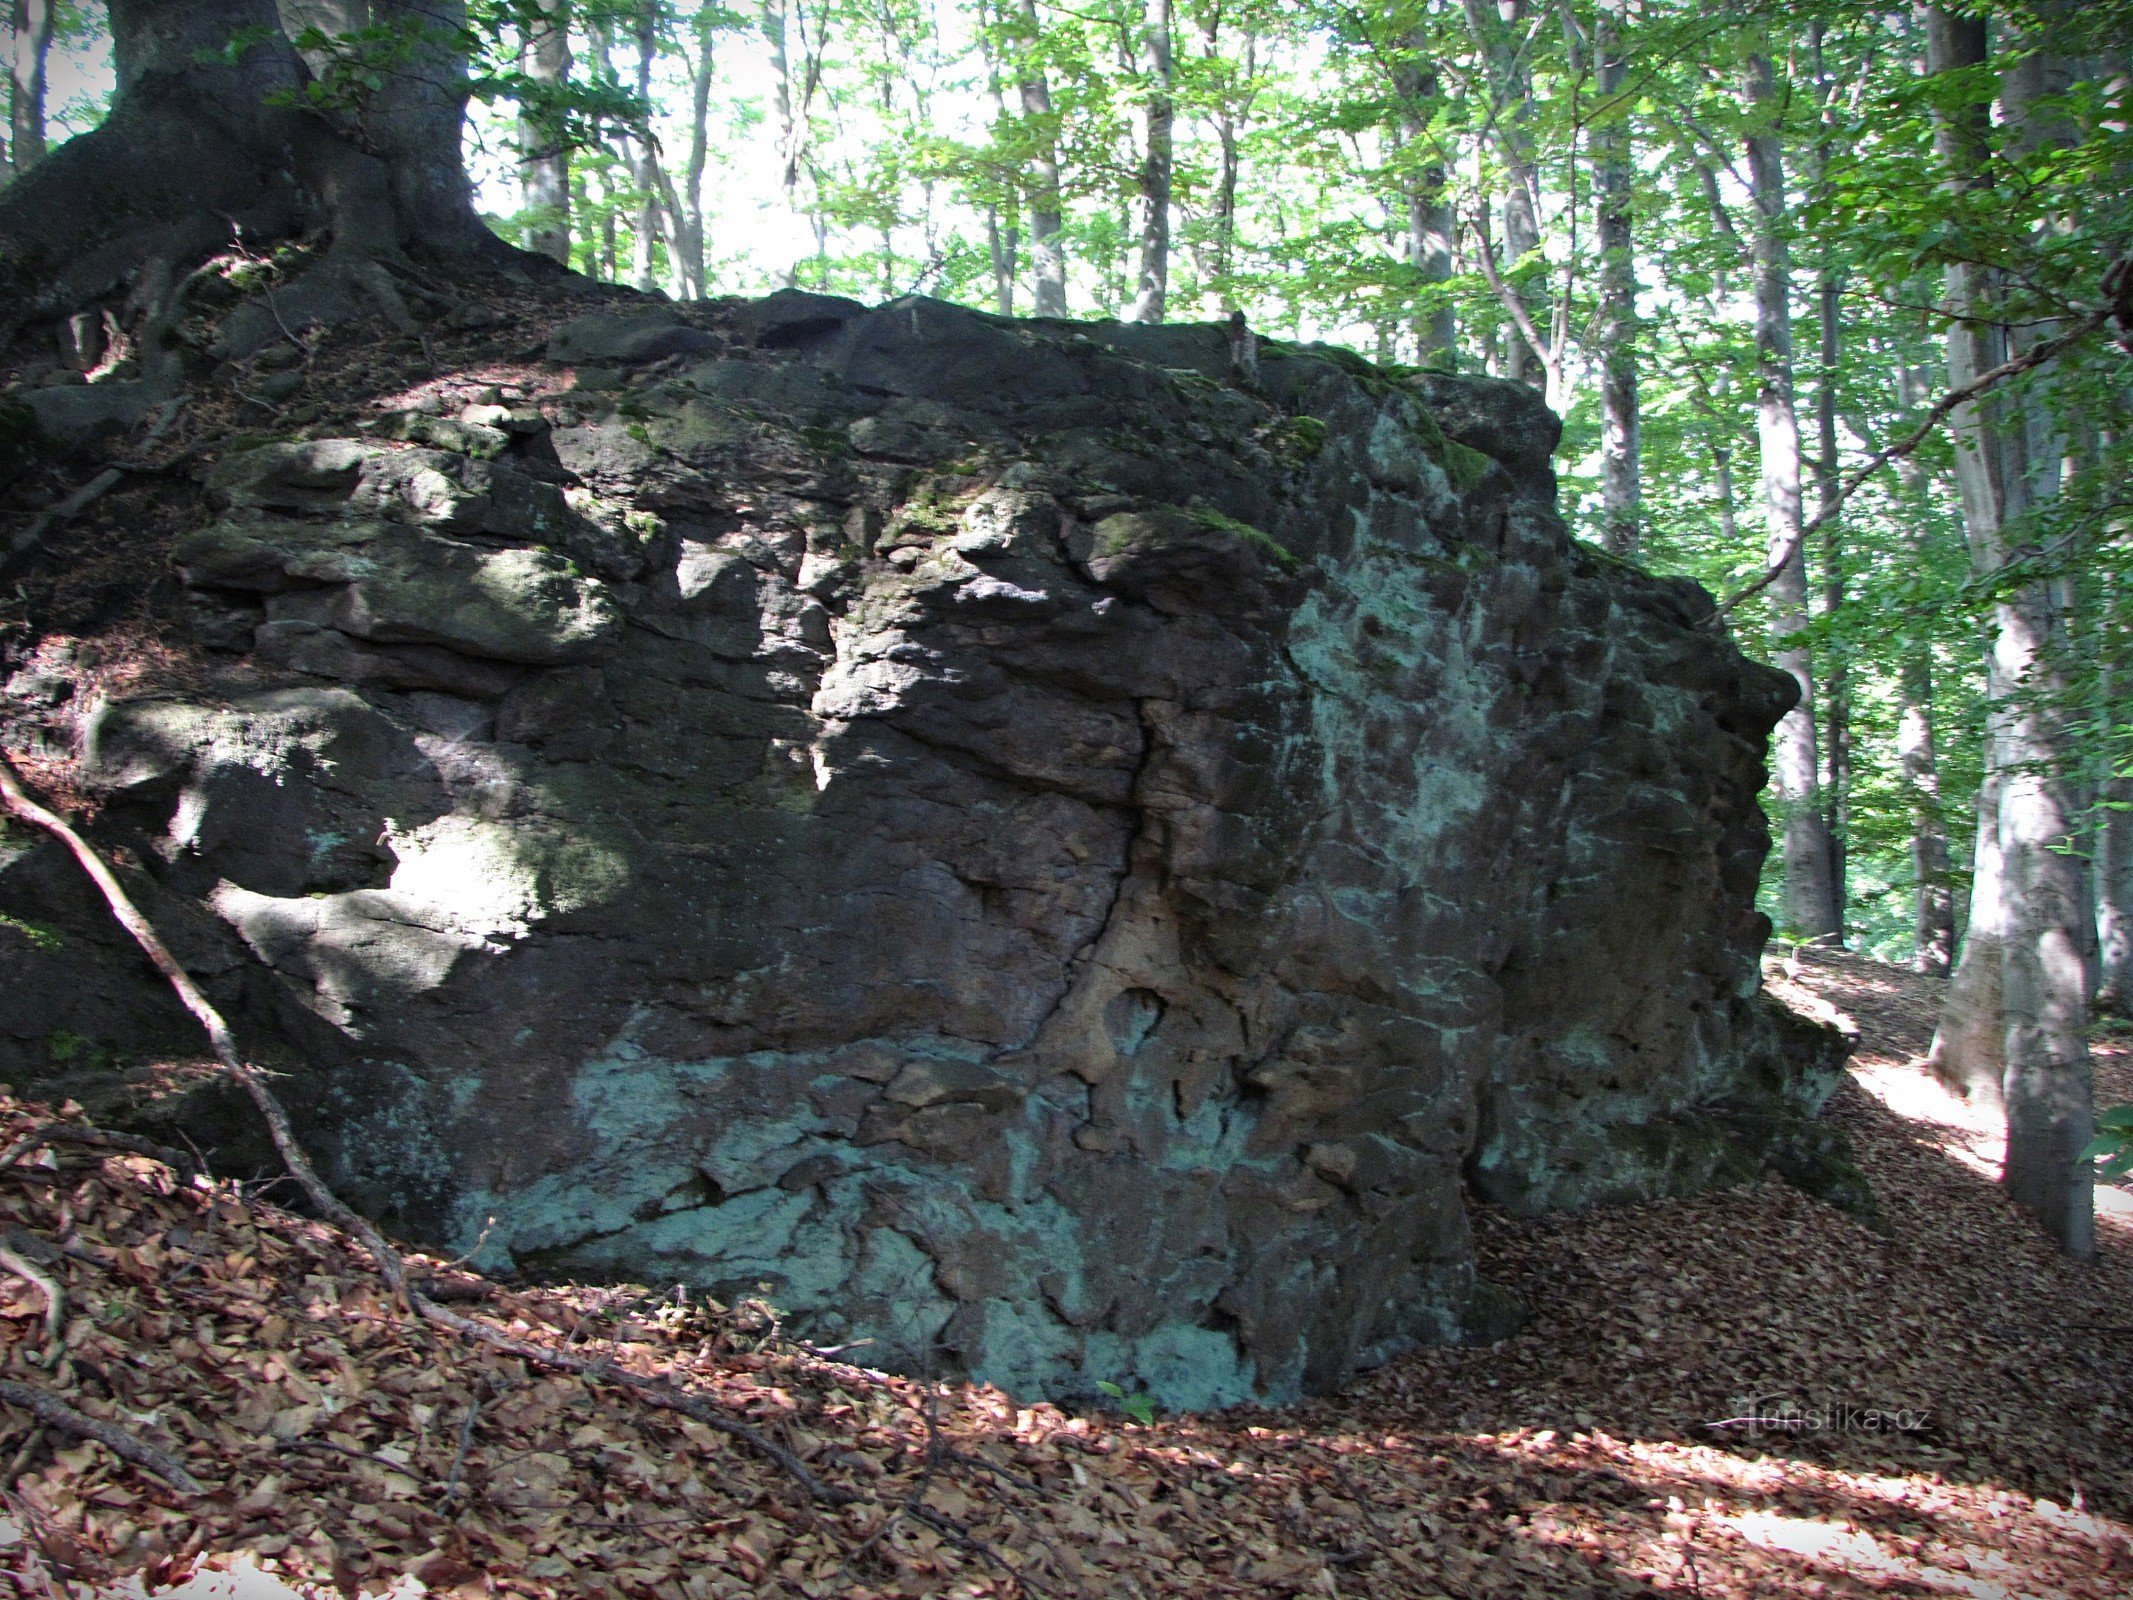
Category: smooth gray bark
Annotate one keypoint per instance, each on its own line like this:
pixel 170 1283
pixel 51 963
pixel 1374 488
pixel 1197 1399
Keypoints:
pixel 544 160
pixel 1495 25
pixel 32 23
pixel 1158 120
pixel 1917 748
pixel 1430 220
pixel 1809 861
pixel 1047 249
pixel 689 228
pixel 2044 912
pixel 1621 494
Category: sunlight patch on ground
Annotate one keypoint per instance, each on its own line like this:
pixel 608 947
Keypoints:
pixel 1849 1550
pixel 1965 1130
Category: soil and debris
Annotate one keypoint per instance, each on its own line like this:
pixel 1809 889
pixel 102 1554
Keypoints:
pixel 1745 1394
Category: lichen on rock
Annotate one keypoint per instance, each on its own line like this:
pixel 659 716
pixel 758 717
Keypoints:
pixel 1065 863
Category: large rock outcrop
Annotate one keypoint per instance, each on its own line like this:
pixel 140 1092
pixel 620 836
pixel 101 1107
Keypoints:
pixel 1059 853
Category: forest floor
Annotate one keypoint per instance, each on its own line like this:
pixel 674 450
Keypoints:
pixel 1744 1394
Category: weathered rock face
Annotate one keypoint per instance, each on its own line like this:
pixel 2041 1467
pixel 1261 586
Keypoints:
pixel 1060 857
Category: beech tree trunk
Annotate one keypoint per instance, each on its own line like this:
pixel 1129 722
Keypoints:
pixel 1809 860
pixel 1621 496
pixel 1047 249
pixel 1917 752
pixel 689 229
pixel 32 23
pixel 195 146
pixel 1836 677
pixel 2043 914
pixel 544 160
pixel 2114 898
pixel 2113 872
pixel 1494 25
pixel 1158 124
pixel 1429 208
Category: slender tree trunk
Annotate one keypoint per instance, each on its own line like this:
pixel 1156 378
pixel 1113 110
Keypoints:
pixel 1837 692
pixel 2114 824
pixel 785 111
pixel 2114 897
pixel 31 46
pixel 1002 236
pixel 691 229
pixel 1227 170
pixel 1047 249
pixel 1158 123
pixel 1621 494
pixel 1495 25
pixel 1917 752
pixel 544 162
pixel 1430 221
pixel 2043 1001
pixel 1932 901
pixel 1810 883
pixel 651 181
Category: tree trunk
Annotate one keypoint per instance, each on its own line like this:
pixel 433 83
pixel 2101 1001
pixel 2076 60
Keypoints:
pixel 1495 27
pixel 33 21
pixel 2043 1000
pixel 195 146
pixel 1837 693
pixel 1429 208
pixel 2114 898
pixel 1932 902
pixel 1969 1043
pixel 1158 121
pixel 1621 496
pixel 2114 823
pixel 1228 169
pixel 1917 753
pixel 645 168
pixel 544 161
pixel 1810 883
pixel 691 229
pixel 1002 237
pixel 1047 250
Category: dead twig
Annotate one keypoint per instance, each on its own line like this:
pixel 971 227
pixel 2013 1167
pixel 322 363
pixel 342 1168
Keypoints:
pixel 459 1456
pixel 54 1412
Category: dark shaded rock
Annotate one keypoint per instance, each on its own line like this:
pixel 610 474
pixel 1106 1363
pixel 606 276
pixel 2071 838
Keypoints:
pixel 625 337
pixel 1064 867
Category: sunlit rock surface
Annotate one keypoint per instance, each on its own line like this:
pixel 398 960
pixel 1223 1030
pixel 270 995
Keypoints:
pixel 1065 856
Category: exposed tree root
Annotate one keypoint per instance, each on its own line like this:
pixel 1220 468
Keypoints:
pixel 54 1412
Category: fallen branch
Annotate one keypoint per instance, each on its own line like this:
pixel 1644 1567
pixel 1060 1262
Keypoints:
pixel 96 488
pixel 653 1391
pixel 98 1139
pixel 2028 361
pixel 54 1412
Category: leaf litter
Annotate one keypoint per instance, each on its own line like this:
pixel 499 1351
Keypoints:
pixel 1741 1394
